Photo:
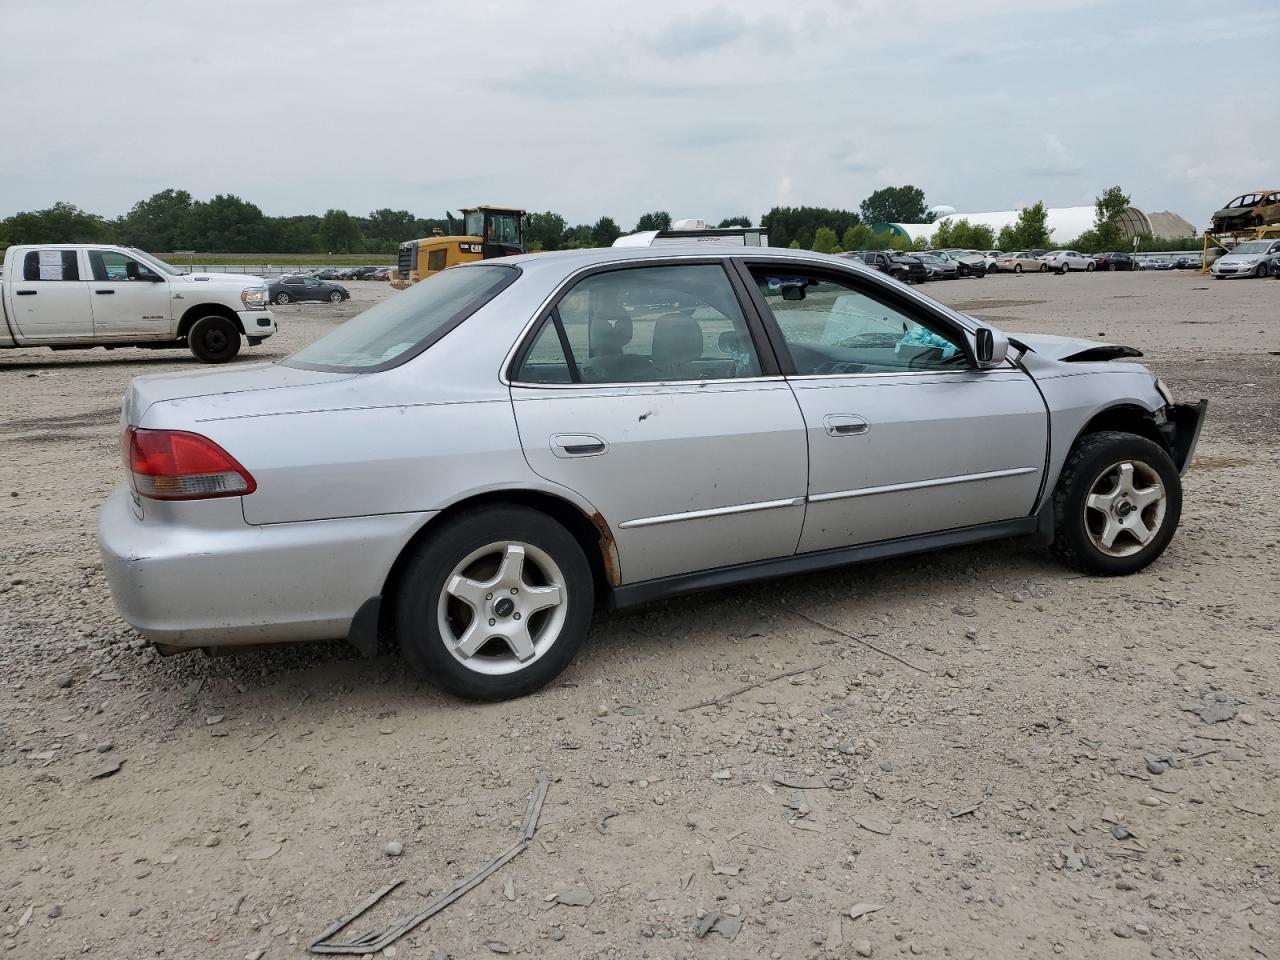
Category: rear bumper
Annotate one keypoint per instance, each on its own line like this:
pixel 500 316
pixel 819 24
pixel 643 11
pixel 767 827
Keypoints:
pixel 214 580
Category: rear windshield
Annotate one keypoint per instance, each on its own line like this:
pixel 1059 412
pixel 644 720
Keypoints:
pixel 405 324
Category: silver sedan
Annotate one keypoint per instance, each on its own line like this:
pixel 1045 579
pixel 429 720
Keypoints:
pixel 474 466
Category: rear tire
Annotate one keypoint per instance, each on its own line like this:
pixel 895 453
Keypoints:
pixel 1119 487
pixel 282 297
pixel 1017 268
pixel 213 339
pixel 462 644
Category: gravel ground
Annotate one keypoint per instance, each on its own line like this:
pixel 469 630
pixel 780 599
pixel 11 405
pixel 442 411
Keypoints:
pixel 1080 766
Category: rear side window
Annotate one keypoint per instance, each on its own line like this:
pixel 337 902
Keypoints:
pixel 403 326
pixel 644 325
pixel 50 265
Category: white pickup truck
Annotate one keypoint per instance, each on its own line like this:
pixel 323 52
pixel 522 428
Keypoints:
pixel 69 296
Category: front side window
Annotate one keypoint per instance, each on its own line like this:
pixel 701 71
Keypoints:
pixel 110 265
pixel 50 265
pixel 644 325
pixel 832 328
pixel 403 326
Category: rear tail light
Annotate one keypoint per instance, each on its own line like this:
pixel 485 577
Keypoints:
pixel 177 465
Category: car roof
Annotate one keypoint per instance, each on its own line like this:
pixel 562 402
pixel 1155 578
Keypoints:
pixel 572 260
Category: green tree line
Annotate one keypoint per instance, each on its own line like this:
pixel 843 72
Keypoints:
pixel 173 220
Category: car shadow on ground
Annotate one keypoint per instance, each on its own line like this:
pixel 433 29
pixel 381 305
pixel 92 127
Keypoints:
pixel 159 359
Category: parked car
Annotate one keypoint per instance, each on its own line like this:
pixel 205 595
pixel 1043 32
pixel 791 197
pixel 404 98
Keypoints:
pixel 1155 263
pixel 1252 258
pixel 74 295
pixel 1114 261
pixel 1019 262
pixel 939 268
pixel 1188 262
pixel 1064 261
pixel 505 444
pixel 1257 209
pixel 300 288
pixel 382 273
pixel 899 266
pixel 362 273
pixel 327 273
pixel 968 263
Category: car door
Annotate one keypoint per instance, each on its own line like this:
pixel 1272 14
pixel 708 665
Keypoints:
pixel 49 299
pixel 644 390
pixel 906 435
pixel 130 300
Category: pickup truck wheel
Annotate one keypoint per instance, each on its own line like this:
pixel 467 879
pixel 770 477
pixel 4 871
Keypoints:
pixel 495 604
pixel 282 297
pixel 213 339
pixel 1117 504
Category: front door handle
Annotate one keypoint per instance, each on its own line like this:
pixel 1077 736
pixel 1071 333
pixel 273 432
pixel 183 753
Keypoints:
pixel 104 291
pixel 845 425
pixel 578 445
pixel 27 293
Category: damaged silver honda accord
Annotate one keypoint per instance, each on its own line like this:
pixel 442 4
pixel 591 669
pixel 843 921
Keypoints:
pixel 471 467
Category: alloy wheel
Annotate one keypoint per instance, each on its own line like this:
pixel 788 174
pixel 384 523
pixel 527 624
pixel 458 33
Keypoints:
pixel 1125 508
pixel 502 607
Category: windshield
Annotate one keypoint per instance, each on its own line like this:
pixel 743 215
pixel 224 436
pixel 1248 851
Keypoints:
pixel 473 223
pixel 157 262
pixel 1252 246
pixel 403 326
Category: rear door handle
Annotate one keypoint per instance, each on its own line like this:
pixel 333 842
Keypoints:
pixel 577 445
pixel 845 425
pixel 104 291
pixel 27 293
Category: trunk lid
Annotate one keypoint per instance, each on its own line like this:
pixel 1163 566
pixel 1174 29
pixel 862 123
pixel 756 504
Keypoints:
pixel 146 391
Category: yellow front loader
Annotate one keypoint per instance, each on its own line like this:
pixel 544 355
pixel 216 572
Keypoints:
pixel 482 233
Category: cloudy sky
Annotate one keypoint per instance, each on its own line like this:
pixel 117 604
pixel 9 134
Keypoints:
pixel 590 106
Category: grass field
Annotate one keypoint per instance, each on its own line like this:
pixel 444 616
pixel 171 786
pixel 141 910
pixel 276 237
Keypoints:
pixel 293 259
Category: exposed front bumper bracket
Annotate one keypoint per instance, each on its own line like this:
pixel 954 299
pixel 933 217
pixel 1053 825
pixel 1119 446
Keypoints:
pixel 1182 431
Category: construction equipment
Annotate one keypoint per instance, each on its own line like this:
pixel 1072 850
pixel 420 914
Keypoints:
pixel 481 233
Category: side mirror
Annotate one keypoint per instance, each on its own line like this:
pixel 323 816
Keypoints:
pixel 991 346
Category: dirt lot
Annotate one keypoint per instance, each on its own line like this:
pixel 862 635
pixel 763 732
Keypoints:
pixel 1041 788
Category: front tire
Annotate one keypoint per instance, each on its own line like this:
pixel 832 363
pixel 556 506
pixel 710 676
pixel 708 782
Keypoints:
pixel 1262 270
pixel 335 297
pixel 213 339
pixel 1117 504
pixel 495 604
pixel 1089 267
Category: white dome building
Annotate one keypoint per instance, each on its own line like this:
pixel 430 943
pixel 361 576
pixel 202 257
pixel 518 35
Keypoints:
pixel 1064 223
